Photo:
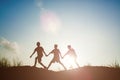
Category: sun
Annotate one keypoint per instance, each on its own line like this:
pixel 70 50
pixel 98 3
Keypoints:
pixel 50 21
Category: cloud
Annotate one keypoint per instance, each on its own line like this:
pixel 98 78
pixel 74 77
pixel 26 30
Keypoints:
pixel 8 46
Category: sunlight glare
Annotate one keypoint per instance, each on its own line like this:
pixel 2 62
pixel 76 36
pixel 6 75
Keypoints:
pixel 50 22
pixel 69 62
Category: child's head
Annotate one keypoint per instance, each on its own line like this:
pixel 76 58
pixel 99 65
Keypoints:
pixel 69 46
pixel 38 44
pixel 55 46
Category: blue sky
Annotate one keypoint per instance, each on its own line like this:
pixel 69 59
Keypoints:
pixel 90 26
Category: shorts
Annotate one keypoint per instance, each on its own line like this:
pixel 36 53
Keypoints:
pixel 55 60
pixel 39 58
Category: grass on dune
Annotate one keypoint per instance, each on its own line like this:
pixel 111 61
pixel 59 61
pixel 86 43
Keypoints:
pixel 6 63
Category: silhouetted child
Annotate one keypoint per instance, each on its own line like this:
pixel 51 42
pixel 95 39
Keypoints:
pixel 40 52
pixel 56 58
pixel 71 52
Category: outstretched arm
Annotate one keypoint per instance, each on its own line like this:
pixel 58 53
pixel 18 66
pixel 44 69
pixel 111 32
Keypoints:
pixel 33 53
pixel 60 54
pixel 65 54
pixel 50 53
pixel 44 53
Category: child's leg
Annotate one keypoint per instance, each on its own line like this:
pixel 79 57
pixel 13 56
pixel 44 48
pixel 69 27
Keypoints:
pixel 35 61
pixel 63 65
pixel 76 62
pixel 50 64
pixel 39 60
pixel 42 64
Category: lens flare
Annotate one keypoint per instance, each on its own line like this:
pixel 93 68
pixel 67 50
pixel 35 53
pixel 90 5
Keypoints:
pixel 50 22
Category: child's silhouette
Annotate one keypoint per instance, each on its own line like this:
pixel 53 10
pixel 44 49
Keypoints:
pixel 56 58
pixel 71 52
pixel 40 52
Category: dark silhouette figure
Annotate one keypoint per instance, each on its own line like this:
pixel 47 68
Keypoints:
pixel 40 52
pixel 56 52
pixel 71 52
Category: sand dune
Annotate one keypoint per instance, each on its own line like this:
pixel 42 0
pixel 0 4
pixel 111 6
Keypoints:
pixel 83 73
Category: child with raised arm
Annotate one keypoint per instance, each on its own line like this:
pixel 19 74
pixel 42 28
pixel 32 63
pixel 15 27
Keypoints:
pixel 40 52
